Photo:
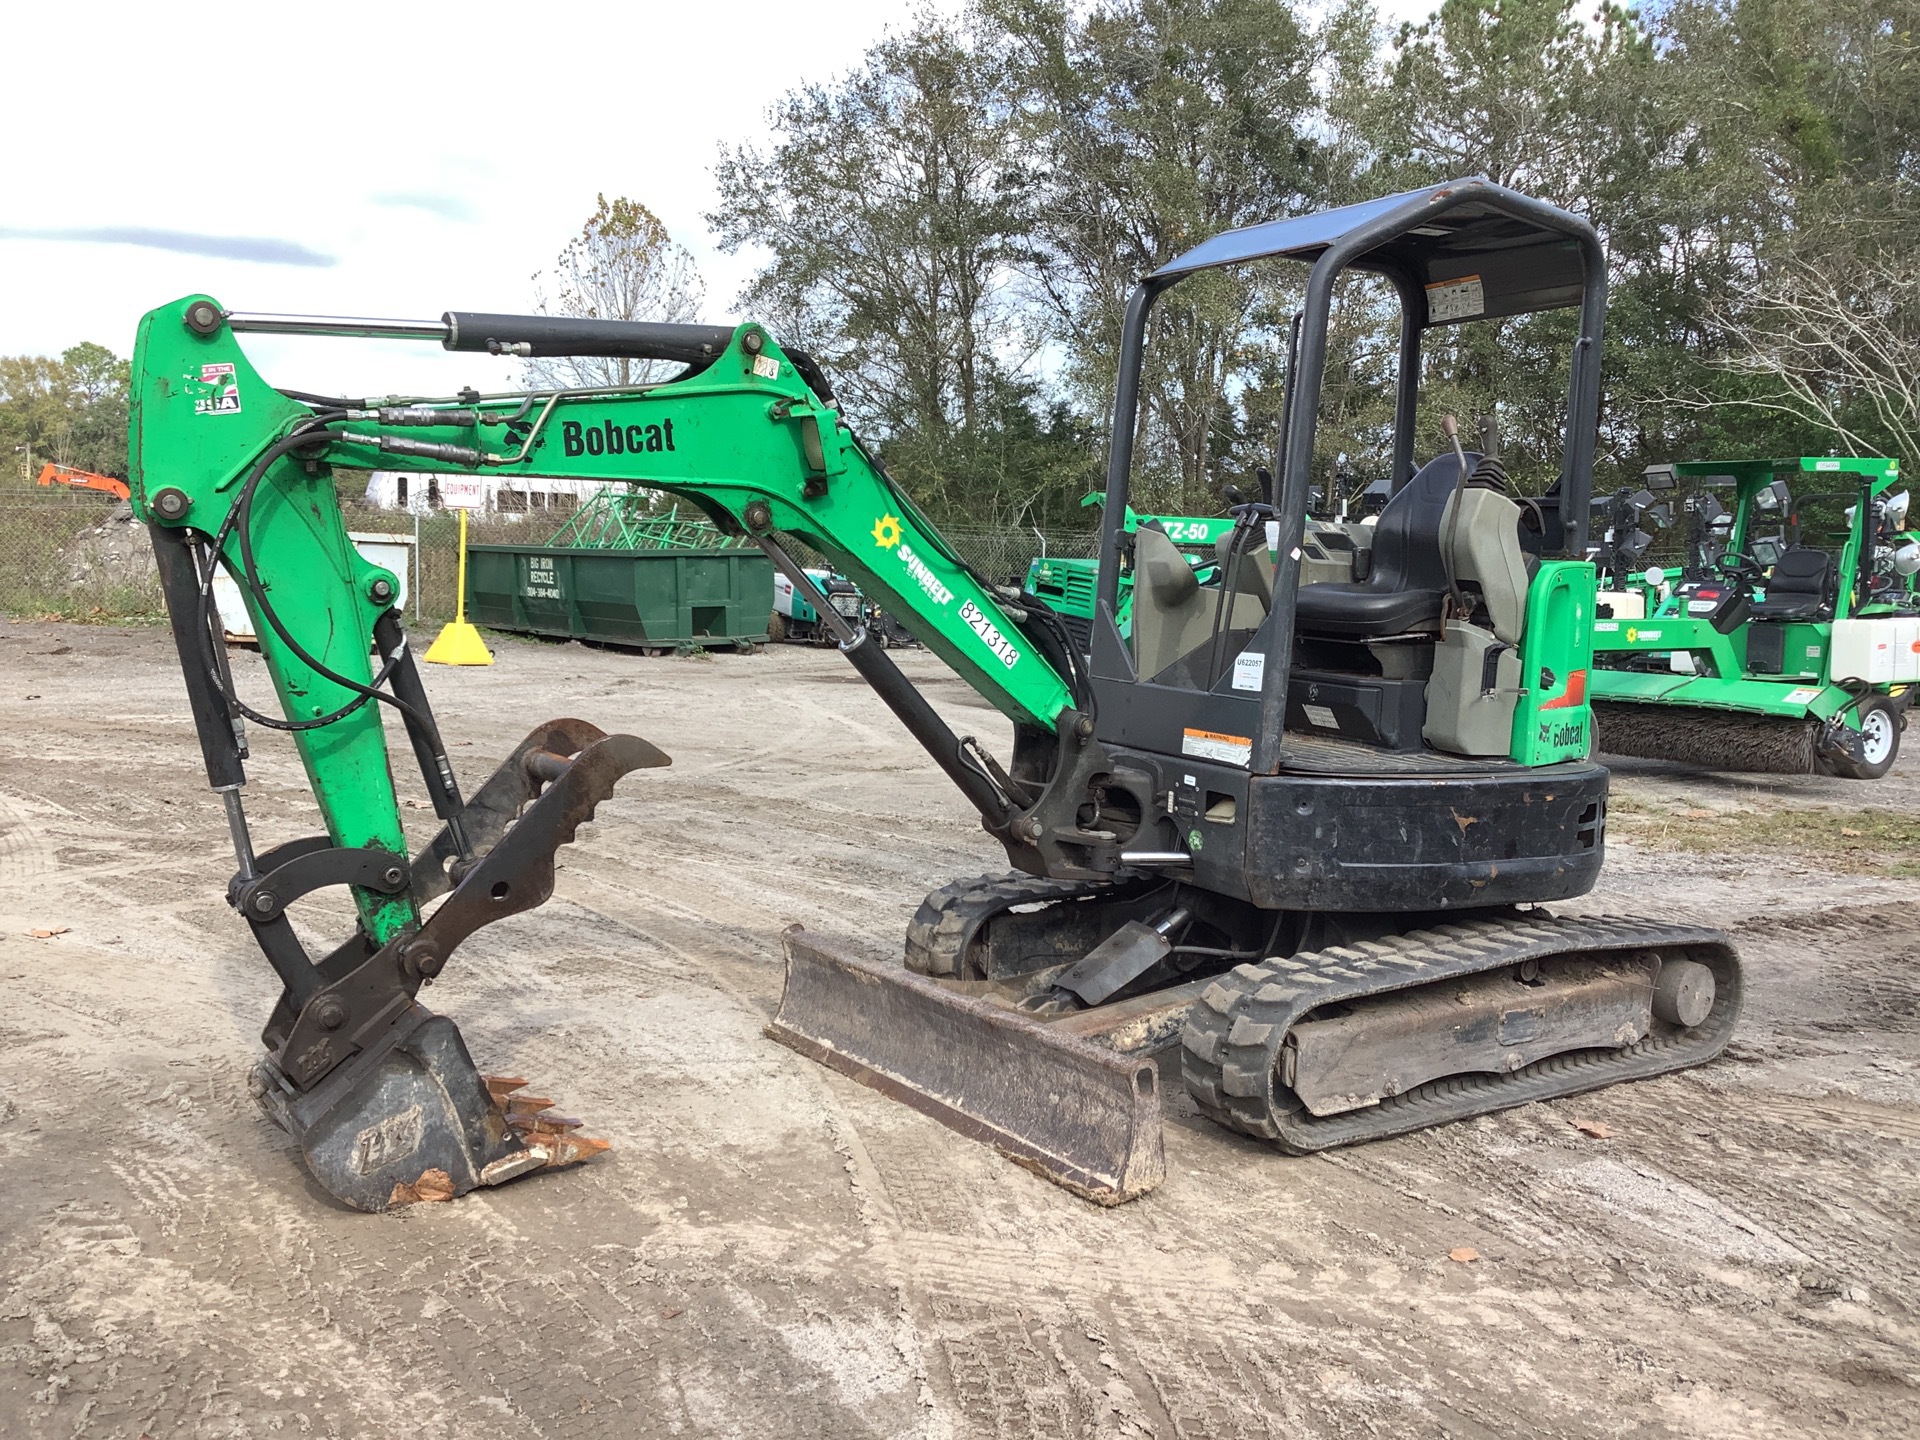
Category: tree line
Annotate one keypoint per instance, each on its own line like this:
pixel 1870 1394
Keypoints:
pixel 72 411
pixel 953 225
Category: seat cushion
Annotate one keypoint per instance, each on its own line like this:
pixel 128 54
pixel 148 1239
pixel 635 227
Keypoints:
pixel 1360 612
pixel 1788 606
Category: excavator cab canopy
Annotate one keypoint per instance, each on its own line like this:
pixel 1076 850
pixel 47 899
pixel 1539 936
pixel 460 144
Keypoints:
pixel 1467 250
pixel 1521 264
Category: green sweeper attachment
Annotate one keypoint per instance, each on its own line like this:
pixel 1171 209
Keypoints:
pixel 1785 638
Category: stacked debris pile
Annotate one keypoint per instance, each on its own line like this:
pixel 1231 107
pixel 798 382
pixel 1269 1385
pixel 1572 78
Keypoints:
pixel 111 564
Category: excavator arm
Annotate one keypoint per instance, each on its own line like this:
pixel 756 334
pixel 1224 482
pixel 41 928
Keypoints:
pixel 55 474
pixel 230 472
pixel 748 433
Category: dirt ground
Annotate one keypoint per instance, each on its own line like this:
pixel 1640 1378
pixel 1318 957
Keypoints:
pixel 771 1249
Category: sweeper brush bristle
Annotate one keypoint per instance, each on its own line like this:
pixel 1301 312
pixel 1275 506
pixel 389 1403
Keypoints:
pixel 1710 739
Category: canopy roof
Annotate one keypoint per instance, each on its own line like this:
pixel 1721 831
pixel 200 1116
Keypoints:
pixel 1476 248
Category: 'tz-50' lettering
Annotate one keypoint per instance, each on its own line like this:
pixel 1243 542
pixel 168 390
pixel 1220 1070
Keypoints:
pixel 608 438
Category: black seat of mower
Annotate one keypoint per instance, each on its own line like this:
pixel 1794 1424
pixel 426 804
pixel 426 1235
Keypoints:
pixel 1799 586
pixel 1402 592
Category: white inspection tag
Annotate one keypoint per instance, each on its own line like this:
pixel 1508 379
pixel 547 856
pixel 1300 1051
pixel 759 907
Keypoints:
pixel 1273 539
pixel 1249 669
pixel 1460 299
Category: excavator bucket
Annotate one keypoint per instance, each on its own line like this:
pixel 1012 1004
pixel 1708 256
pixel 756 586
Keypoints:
pixel 412 1120
pixel 1083 1114
pixel 379 1093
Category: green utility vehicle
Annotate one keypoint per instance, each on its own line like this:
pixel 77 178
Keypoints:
pixel 1791 640
pixel 1066 584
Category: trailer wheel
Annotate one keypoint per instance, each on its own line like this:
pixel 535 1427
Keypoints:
pixel 1879 742
pixel 776 627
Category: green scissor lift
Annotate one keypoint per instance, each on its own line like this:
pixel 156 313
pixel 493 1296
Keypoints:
pixel 1788 652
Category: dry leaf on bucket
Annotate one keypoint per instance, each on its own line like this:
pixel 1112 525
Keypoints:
pixel 432 1187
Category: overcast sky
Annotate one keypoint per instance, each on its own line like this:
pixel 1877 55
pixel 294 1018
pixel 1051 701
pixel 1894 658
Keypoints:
pixel 397 159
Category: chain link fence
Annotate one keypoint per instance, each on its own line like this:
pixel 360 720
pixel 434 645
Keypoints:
pixel 75 554
pixel 80 555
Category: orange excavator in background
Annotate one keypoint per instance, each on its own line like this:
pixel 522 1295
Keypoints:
pixel 51 474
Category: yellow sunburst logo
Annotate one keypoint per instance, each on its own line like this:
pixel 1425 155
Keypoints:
pixel 1633 634
pixel 886 531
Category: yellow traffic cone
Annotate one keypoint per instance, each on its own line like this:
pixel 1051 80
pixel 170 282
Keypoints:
pixel 459 643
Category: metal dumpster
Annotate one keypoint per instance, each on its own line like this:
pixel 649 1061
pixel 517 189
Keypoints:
pixel 589 585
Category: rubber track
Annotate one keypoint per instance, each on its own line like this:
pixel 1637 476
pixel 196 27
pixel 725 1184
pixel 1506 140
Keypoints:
pixel 944 926
pixel 1234 1032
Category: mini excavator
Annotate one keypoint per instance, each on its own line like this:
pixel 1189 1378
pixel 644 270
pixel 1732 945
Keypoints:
pixel 1294 834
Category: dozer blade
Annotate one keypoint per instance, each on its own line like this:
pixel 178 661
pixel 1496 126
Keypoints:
pixel 1084 1116
pixel 410 1119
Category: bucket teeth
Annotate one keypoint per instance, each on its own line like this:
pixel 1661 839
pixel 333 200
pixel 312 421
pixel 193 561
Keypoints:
pixel 547 1141
pixel 533 1119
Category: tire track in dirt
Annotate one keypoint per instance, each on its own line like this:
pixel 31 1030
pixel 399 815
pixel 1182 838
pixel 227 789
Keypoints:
pixel 773 1249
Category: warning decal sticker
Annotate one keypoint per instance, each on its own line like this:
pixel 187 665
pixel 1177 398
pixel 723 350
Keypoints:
pixel 1212 745
pixel 1460 299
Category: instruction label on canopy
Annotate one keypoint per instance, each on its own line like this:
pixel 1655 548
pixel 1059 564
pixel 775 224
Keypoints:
pixel 1460 299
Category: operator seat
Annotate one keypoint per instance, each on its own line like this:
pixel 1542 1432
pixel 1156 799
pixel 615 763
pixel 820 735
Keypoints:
pixel 1402 592
pixel 1173 613
pixel 1799 588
